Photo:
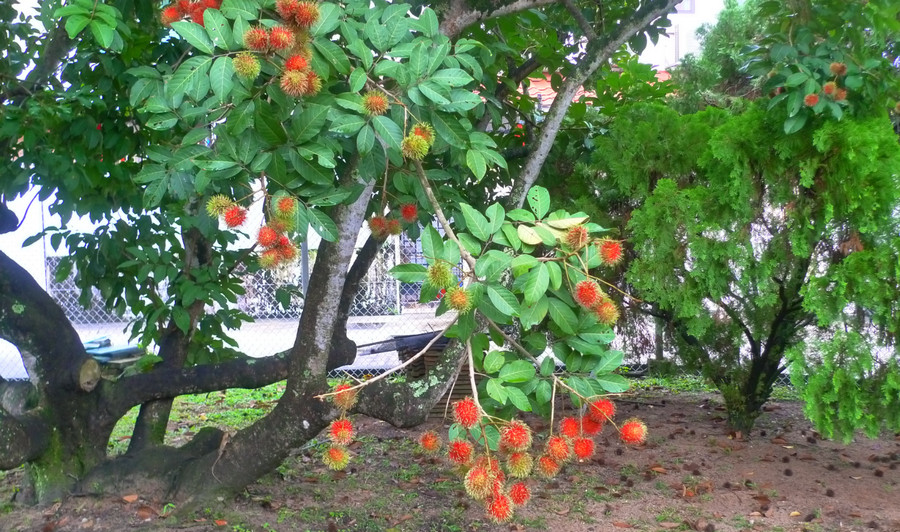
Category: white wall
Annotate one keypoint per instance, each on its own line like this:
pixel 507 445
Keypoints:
pixel 682 39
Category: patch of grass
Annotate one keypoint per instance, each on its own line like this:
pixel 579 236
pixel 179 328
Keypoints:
pixel 675 384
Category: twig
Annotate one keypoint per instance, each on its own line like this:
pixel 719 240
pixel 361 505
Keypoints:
pixel 423 179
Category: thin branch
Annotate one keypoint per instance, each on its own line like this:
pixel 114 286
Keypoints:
pixel 448 230
pixel 579 18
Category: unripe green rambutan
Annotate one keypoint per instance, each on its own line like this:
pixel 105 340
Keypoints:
pixel 218 204
pixel 414 147
pixel 246 65
pixel 519 465
pixel 425 132
pixel 439 275
pixel 269 259
pixel 336 458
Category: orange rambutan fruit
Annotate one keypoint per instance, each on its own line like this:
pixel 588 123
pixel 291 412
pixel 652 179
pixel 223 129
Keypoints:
pixel 548 467
pixel 601 410
pixel 606 312
pixel 345 398
pixel 569 427
pixel 583 448
pixel 375 103
pixel 466 412
pixel 267 236
pixel 515 436
pixel 610 251
pixel 336 458
pixel 296 62
pixel 478 482
pixel 409 212
pixel 170 14
pixel 341 431
pixel 590 426
pixel 633 431
pixel 811 100
pixel 588 293
pixel 576 237
pixel 558 448
pixel 838 69
pixel 430 442
pixel 306 14
pixel 293 83
pixel 519 465
pixel 257 39
pixel 281 38
pixel 499 508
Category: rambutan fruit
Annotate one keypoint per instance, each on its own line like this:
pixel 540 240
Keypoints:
pixel 393 227
pixel 478 482
pixel 267 236
pixel 610 251
pixel 336 458
pixel 170 14
pixel 838 69
pixel 269 259
pixel 296 62
pixel 601 410
pixel 829 88
pixel 293 83
pixel 499 508
pixel 409 212
pixel 590 426
pixel 583 448
pixel 257 39
pixel 414 147
pixel 430 442
pixel 633 431
pixel 558 448
pixel 196 14
pixel 459 299
pixel 515 435
pixel 344 398
pixel 341 431
pixel 211 4
pixel 246 65
pixel 313 84
pixel 466 412
pixel 576 237
pixel 569 427
pixel 285 207
pixel 519 465
pixel 288 252
pixel 439 275
pixel 519 493
pixel 375 103
pixel 588 294
pixel 306 14
pixel 606 312
pixel 281 38
pixel 235 216
pixel 460 452
pixel 547 467
pixel 286 9
pixel 378 226
pixel 840 95
pixel 218 204
pixel 811 100
pixel 424 132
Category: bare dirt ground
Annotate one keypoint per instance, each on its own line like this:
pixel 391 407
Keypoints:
pixel 690 475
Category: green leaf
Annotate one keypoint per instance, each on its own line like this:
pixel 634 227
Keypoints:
pixel 163 121
pixel 796 79
pixel 610 361
pixel 409 273
pixel 389 131
pixel 195 34
pixel 517 371
pixel 182 319
pixel 432 245
pixel 563 316
pixel 154 193
pixel 543 393
pixel 186 77
pixel 103 32
pixel 518 398
pixel 494 362
pixel 309 123
pixel 795 123
pixel 496 391
pixel 503 300
pixel 245 9
pixel 539 201
pixel 528 235
pixel 555 275
pixel 357 80
pixel 450 130
pixel 522 264
pixel 548 366
pixel 241 118
pixel 533 314
pixel 76 24
pixel 365 140
pixel 612 382
pixel 427 23
pixel 496 215
pixel 329 18
pixel 323 225
pixel 476 223
pixel 433 92
pixel 475 162
pixel 269 128
pixel 221 76
pixel 348 124
pixel 333 54
pixel 453 77
pixel 218 29
pixel 492 264
pixel 520 215
pixel 537 283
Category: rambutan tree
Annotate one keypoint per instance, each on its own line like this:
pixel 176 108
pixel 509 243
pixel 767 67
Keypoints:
pixel 164 122
pixel 764 235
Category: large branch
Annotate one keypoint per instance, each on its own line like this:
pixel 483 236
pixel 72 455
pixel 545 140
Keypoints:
pixel 462 13
pixel 21 439
pixel 597 54
pixel 32 321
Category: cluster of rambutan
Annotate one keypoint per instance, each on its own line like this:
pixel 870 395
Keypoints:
pixel 234 215
pixel 185 9
pixel 382 227
pixel 589 295
pixel 610 251
pixel 417 143
pixel 831 88
pixel 278 249
pixel 484 478
pixel 440 276
pixel 341 430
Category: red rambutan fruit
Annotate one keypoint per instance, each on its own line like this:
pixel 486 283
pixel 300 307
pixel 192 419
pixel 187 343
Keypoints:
pixel 345 398
pixel 547 467
pixel 606 312
pixel 267 236
pixel 197 14
pixel 287 252
pixel 466 412
pixel 519 493
pixel 378 226
pixel 558 448
pixel 341 431
pixel 409 212
pixel 583 448
pixel 499 508
pixel 588 294
pixel 296 62
pixel 336 458
pixel 515 436
pixel 375 103
pixel 829 88
pixel 256 39
pixel 460 452
pixel 576 237
pixel 811 100
pixel 306 14
pixel 590 426
pixel 610 251
pixel 569 427
pixel 430 442
pixel 286 9
pixel 235 216
pixel 838 69
pixel 170 14
pixel 633 431
pixel 281 38
pixel 601 410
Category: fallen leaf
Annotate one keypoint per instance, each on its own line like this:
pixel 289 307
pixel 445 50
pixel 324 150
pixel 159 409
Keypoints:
pixel 130 498
pixel 668 525
pixel 778 441
pixel 794 514
pixel 660 470
pixel 564 511
pixel 755 514
pixel 146 513
pixel 220 522
pixel 621 524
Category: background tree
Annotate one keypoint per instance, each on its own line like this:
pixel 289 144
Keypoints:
pixel 745 220
pixel 139 124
